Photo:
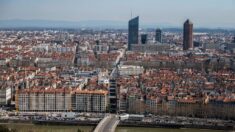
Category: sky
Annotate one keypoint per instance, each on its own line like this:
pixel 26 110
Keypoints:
pixel 203 13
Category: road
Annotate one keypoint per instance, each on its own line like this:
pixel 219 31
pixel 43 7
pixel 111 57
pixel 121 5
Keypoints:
pixel 117 62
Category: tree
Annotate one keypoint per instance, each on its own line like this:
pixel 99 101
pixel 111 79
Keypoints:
pixel 4 128
pixel 79 130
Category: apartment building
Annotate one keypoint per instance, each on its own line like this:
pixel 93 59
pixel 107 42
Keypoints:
pixel 90 101
pixel 126 70
pixel 43 100
pixel 61 100
pixel 5 95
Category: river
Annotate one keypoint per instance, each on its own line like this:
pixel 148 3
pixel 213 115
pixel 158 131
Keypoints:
pixel 60 128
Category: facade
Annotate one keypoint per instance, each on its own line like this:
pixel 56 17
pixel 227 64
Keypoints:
pixel 135 104
pixel 5 95
pixel 33 103
pixel 90 101
pixel 127 70
pixel 113 95
pixel 41 101
pixel 101 48
pixel 50 101
pixel 158 37
pixel 44 100
pixel 53 48
pixel 54 100
pixel 144 38
pixel 151 105
pixel 188 35
pixel 133 32
pixel 22 102
pixel 103 78
pixel 122 105
pixel 151 48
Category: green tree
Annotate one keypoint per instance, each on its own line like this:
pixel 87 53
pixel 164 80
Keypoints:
pixel 4 128
pixel 79 130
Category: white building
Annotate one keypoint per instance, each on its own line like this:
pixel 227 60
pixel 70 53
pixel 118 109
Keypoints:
pixel 103 77
pixel 126 70
pixel 5 95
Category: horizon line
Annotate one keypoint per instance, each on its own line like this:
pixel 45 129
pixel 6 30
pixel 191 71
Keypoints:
pixel 75 23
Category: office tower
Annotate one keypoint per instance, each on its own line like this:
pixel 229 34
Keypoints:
pixel 188 35
pixel 144 38
pixel 158 36
pixel 133 32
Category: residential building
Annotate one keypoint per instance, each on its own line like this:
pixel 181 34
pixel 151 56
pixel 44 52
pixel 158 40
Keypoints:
pixel 5 95
pixel 90 101
pixel 126 70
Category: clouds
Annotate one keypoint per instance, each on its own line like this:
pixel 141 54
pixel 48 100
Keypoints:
pixel 202 12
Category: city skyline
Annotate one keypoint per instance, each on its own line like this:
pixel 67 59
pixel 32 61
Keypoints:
pixel 168 13
pixel 117 65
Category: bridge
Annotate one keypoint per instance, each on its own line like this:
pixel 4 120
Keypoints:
pixel 107 124
pixel 110 122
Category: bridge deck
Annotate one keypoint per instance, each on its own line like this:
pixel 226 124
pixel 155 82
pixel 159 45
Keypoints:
pixel 108 124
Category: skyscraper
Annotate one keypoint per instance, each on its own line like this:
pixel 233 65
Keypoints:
pixel 144 38
pixel 188 35
pixel 133 32
pixel 158 36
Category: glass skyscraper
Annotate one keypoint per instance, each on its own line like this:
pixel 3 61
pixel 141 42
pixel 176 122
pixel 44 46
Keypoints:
pixel 133 32
pixel 158 36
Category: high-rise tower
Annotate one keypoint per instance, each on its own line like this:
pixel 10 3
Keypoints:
pixel 144 38
pixel 158 36
pixel 188 35
pixel 133 32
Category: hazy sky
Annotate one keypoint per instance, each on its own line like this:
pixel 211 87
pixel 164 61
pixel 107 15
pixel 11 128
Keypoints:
pixel 211 13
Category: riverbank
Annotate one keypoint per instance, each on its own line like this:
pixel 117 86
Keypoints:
pixel 174 126
pixel 126 123
pixel 141 124
pixel 25 127
pixel 22 127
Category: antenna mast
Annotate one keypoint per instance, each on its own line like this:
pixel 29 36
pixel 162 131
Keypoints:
pixel 131 13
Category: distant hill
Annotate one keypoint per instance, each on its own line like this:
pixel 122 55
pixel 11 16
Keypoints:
pixel 17 23
pixel 61 24
pixel 96 24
